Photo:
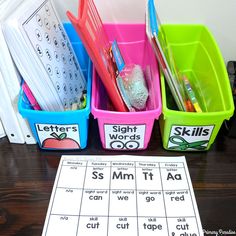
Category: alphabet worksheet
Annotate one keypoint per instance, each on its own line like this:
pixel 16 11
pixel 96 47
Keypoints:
pixel 122 195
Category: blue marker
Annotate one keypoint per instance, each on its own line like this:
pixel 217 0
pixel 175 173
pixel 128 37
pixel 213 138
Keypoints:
pixel 118 57
pixel 153 19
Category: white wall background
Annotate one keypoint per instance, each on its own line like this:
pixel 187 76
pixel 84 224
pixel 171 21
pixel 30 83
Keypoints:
pixel 218 15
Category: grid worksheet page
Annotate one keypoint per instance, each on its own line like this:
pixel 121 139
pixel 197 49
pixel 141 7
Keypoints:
pixel 122 195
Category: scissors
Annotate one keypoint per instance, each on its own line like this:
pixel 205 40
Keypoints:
pixel 183 145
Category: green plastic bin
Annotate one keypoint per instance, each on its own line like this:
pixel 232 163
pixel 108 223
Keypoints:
pixel 198 56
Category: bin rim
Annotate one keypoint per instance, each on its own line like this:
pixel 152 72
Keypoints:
pixel 98 113
pixel 226 114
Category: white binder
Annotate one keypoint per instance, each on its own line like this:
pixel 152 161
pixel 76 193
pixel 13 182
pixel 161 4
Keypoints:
pixel 18 127
pixel 8 116
pixel 2 131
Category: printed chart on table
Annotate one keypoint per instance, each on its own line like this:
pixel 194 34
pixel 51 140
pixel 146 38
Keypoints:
pixel 122 195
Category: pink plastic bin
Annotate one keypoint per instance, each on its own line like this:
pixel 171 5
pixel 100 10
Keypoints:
pixel 128 130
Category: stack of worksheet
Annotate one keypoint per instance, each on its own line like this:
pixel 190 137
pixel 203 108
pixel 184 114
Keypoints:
pixel 43 54
pixel 35 47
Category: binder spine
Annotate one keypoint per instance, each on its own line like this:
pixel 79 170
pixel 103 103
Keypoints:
pixel 8 116
pixel 2 131
pixel 11 78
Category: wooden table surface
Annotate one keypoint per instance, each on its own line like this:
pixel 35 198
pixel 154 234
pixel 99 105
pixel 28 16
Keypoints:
pixel 27 176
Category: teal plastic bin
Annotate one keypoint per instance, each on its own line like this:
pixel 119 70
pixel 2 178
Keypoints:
pixel 67 130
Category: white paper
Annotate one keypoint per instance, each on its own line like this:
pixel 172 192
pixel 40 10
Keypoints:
pixel 122 195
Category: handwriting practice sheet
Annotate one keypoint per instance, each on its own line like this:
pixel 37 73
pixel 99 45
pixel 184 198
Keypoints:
pixel 122 195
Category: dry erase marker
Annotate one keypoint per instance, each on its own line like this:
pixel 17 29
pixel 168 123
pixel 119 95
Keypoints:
pixel 191 94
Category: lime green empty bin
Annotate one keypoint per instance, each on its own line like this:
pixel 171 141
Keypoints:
pixel 199 58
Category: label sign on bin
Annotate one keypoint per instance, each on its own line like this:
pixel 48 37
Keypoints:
pixel 129 137
pixel 53 136
pixel 185 138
